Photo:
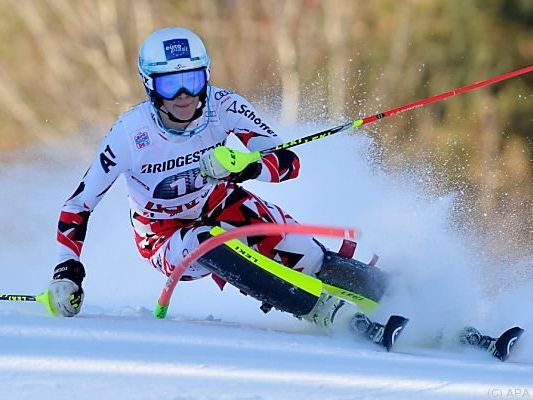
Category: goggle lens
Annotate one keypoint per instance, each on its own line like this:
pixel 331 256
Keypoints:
pixel 192 82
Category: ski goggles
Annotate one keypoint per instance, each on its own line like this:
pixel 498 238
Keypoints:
pixel 192 82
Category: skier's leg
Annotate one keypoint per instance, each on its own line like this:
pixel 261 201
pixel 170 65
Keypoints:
pixel 254 274
pixel 353 280
pixel 165 243
pixel 280 287
pixel 299 252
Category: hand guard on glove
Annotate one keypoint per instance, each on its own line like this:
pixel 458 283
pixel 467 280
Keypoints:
pixel 225 164
pixel 65 291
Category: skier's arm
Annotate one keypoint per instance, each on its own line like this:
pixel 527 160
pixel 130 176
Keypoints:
pixel 280 166
pixel 65 290
pixel 239 117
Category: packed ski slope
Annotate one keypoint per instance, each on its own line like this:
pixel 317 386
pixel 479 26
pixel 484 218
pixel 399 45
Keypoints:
pixel 219 345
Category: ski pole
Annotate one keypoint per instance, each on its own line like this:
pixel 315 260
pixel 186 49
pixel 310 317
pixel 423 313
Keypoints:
pixel 17 297
pixel 43 298
pixel 410 106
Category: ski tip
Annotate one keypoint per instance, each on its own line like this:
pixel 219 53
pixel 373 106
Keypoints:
pixel 517 330
pixel 398 319
pixel 506 341
pixel 393 328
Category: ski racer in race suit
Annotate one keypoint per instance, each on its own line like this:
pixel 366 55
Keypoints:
pixel 178 185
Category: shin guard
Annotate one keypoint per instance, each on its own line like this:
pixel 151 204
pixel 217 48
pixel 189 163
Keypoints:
pixel 262 278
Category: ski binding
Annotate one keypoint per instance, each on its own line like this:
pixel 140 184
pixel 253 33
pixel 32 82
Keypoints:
pixel 383 335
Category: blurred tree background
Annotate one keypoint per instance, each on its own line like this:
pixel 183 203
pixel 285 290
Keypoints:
pixel 68 67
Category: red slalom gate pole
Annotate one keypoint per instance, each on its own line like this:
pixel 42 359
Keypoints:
pixel 410 106
pixel 250 230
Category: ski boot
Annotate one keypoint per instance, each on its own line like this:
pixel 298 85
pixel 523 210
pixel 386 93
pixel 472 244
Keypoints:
pixel 325 310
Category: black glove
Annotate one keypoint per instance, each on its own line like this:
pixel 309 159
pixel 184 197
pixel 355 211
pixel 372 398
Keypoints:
pixel 252 171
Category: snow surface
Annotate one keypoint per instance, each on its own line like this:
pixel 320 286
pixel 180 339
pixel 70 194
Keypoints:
pixel 219 345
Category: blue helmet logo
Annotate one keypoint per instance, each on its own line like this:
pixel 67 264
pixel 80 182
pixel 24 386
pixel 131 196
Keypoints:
pixel 177 48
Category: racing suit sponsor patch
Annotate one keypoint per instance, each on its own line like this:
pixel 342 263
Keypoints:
pixel 243 109
pixel 142 139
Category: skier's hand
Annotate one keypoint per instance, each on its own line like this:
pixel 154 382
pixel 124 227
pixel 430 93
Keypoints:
pixel 65 291
pixel 223 163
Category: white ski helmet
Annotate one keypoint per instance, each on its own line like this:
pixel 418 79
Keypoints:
pixel 169 50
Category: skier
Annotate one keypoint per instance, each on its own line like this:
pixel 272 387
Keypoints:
pixel 171 150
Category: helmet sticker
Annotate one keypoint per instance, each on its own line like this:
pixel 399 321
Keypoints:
pixel 177 48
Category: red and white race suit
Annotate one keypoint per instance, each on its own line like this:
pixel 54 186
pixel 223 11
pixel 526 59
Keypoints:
pixel 171 203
